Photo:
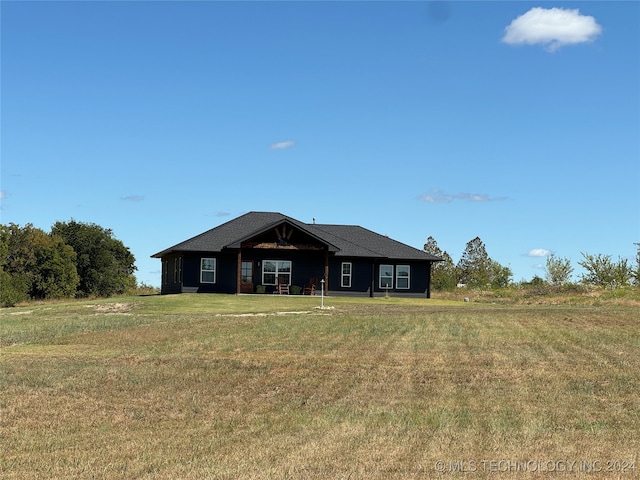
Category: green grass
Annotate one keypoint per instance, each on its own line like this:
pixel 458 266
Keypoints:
pixel 223 386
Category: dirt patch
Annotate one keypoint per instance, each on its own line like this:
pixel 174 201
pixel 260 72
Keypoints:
pixel 270 314
pixel 119 307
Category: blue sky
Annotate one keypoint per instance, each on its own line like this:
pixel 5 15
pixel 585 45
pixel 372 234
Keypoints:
pixel 518 122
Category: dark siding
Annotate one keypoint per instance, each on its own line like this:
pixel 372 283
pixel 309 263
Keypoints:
pixel 226 273
pixel 305 265
pixel 360 275
pixel 171 284
pixel 418 280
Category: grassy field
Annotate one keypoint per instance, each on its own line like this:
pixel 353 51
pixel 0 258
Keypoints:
pixel 270 387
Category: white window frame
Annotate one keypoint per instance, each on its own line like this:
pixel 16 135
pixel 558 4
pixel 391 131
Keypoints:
pixel 390 277
pixel 345 278
pixel 277 273
pixel 213 268
pixel 400 278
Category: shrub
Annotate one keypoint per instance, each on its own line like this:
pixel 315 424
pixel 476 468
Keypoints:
pixel 13 289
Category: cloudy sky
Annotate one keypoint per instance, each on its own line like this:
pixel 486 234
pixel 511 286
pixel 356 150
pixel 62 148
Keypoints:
pixel 517 122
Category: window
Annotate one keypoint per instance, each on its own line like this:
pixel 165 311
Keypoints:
pixel 208 270
pixel 246 274
pixel 273 270
pixel 165 272
pixel 386 276
pixel 177 270
pixel 346 275
pixel 402 276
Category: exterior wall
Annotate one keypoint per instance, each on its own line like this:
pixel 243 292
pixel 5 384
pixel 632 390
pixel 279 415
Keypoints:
pixel 225 273
pixel 365 278
pixel 361 272
pixel 171 274
pixel 181 273
pixel 304 266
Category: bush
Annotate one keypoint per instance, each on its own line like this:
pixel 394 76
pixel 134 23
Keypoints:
pixel 13 289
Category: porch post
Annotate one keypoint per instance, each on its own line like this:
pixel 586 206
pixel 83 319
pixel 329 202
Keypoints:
pixel 326 270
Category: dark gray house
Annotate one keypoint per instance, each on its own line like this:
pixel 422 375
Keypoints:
pixel 262 251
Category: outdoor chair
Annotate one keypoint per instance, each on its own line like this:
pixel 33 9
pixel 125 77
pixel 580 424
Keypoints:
pixel 310 288
pixel 282 287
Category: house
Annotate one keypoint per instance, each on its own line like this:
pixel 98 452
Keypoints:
pixel 258 251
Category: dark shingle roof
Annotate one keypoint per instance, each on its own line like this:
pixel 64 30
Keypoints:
pixel 356 241
pixel 344 240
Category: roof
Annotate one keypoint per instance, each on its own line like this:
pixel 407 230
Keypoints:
pixel 342 240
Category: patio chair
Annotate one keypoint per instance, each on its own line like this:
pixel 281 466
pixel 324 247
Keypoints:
pixel 310 288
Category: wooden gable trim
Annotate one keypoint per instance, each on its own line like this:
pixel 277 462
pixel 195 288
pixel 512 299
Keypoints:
pixel 284 233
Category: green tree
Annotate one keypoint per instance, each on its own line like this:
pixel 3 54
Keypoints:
pixel 57 276
pixel 601 270
pixel 36 264
pixel 636 273
pixel 474 267
pixel 105 265
pixel 443 274
pixel 558 270
pixel 500 276
pixel 13 286
pixel 477 269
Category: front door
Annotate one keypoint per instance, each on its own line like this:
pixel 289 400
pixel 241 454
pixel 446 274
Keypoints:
pixel 246 277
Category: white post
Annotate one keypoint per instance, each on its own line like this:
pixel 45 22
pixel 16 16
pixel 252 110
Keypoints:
pixel 322 294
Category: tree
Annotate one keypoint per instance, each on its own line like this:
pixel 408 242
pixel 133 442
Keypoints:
pixel 500 275
pixel 636 273
pixel 558 270
pixel 477 269
pixel 474 267
pixel 13 286
pixel 36 264
pixel 443 274
pixel 600 270
pixel 104 264
pixel 57 276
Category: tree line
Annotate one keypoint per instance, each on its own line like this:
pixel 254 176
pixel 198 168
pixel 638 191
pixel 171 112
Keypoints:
pixel 477 270
pixel 74 259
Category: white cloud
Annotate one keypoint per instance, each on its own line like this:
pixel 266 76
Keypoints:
pixel 539 252
pixel 436 195
pixel 3 194
pixel 283 145
pixel 133 198
pixel 551 27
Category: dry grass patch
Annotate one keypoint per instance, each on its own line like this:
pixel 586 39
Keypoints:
pixel 370 389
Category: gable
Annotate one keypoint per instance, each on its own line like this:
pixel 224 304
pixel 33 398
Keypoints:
pixel 253 228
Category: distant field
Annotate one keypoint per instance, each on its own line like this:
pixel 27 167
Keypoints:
pixel 253 387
